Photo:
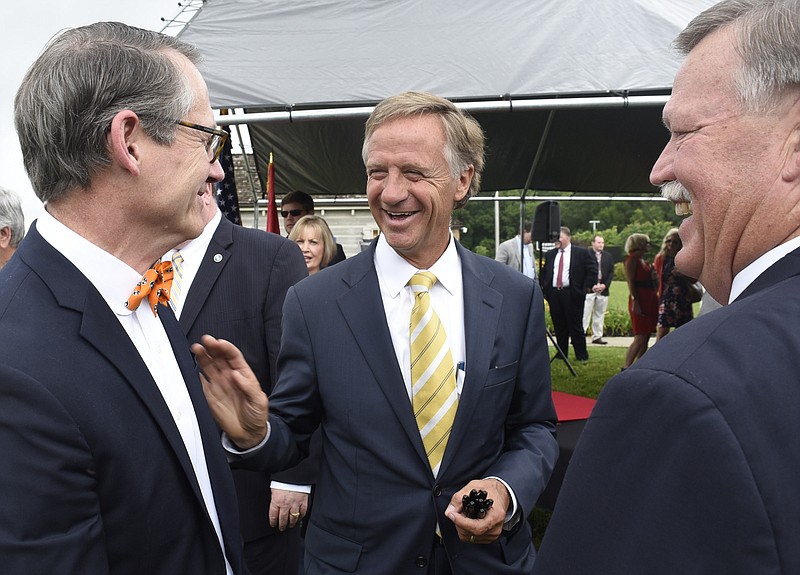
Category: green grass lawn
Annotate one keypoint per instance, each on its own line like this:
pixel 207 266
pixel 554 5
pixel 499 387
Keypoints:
pixel 604 362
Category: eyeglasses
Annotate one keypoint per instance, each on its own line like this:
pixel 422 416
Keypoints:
pixel 294 213
pixel 215 144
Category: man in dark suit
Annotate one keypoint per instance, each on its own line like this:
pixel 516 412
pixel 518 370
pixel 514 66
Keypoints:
pixel 568 274
pixel 111 459
pixel 596 304
pixel 689 463
pixel 294 206
pixel 389 499
pixel 233 284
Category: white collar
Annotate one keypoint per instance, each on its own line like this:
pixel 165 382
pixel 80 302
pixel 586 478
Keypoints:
pixel 396 271
pixel 112 277
pixel 749 274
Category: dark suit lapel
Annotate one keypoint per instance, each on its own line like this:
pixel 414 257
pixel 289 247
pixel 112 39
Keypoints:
pixel 482 305
pixel 101 329
pixel 363 311
pixel 214 260
pixel 784 268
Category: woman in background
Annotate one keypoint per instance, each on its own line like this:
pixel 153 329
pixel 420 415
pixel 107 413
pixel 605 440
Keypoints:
pixel 642 301
pixel 674 307
pixel 316 242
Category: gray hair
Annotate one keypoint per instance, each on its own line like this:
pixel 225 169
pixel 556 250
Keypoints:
pixel 11 215
pixel 464 144
pixel 84 77
pixel 767 36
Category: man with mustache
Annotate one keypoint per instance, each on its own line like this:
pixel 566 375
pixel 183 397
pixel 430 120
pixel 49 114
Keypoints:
pixel 689 463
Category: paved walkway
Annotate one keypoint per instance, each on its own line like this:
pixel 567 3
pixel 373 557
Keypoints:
pixel 615 341
pixel 611 341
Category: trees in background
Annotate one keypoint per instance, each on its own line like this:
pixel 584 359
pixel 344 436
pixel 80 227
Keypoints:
pixel 617 220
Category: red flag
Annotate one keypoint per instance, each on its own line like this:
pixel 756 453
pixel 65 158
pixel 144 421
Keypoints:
pixel 272 206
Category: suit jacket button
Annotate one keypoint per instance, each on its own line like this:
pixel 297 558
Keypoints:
pixel 421 561
pixel 437 490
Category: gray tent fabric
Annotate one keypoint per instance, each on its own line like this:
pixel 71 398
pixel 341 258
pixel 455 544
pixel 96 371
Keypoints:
pixel 268 56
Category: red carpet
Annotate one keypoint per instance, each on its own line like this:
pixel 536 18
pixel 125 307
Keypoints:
pixel 572 407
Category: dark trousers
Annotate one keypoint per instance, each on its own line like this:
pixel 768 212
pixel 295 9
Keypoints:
pixel 566 310
pixel 439 563
pixel 274 554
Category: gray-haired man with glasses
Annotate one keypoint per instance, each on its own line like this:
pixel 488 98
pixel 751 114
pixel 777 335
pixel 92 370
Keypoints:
pixel 111 460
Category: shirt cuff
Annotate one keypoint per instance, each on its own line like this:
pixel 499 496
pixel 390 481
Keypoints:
pixel 231 448
pixel 290 487
pixel 512 517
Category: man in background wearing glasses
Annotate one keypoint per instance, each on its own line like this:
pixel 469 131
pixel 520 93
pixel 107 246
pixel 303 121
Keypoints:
pixel 294 206
pixel 111 460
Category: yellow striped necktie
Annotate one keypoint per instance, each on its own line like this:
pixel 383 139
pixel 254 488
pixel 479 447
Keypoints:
pixel 433 378
pixel 177 280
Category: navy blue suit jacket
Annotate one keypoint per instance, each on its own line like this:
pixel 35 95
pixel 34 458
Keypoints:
pixel 238 295
pixel 690 461
pixel 377 502
pixel 95 477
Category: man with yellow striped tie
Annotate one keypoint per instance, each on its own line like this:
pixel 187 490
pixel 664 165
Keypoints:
pixel 424 364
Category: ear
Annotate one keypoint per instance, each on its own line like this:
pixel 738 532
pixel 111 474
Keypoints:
pixel 791 167
pixel 464 181
pixel 125 140
pixel 5 237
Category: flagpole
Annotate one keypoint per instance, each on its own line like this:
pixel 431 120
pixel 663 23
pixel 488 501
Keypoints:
pixel 272 205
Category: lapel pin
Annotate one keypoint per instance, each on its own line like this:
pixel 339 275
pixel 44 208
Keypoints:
pixel 217 258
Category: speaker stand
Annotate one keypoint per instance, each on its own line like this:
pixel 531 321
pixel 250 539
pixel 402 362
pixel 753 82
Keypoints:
pixel 559 354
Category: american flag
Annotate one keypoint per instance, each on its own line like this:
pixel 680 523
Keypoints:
pixel 227 199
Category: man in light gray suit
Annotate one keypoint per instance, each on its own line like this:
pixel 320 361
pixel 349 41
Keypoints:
pixel 509 253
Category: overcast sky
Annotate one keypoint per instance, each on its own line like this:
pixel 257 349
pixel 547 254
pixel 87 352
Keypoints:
pixel 26 26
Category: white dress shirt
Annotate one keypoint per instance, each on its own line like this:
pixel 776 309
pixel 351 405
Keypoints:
pixel 749 274
pixel 566 254
pixel 115 280
pixel 192 254
pixel 447 298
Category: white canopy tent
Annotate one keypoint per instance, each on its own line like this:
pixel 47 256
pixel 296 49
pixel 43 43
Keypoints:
pixel 569 92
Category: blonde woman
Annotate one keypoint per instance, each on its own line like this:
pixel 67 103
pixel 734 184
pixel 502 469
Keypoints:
pixel 316 242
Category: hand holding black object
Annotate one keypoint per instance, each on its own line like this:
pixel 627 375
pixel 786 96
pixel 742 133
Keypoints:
pixel 476 504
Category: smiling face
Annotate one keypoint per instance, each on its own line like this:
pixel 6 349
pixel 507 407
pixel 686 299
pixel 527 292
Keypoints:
pixel 732 166
pixel 177 175
pixel 410 188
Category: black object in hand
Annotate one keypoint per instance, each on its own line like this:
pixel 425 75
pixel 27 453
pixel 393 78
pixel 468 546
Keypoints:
pixel 476 504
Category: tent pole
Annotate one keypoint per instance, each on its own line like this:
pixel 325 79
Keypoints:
pixel 249 176
pixel 528 182
pixel 296 115
pixel 496 221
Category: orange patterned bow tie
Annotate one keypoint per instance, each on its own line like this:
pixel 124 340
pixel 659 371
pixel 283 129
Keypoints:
pixel 154 286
